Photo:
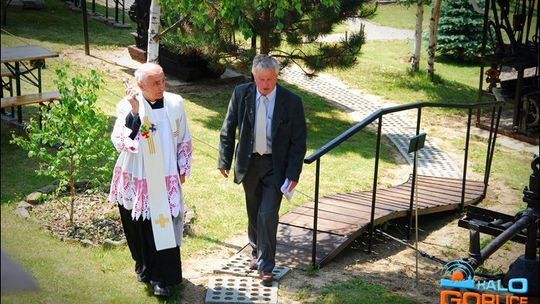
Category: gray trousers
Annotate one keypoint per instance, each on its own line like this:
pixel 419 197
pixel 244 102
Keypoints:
pixel 263 199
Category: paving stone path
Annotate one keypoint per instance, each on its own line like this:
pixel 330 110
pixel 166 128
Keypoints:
pixel 398 127
pixel 372 31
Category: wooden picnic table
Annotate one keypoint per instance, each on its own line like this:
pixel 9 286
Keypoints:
pixel 26 52
pixel 21 62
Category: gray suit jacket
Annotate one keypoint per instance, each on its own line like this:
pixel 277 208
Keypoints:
pixel 289 134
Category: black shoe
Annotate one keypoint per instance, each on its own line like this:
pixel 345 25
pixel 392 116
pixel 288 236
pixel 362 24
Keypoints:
pixel 142 279
pixel 161 291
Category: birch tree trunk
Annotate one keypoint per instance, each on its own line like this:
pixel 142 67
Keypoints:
pixel 152 51
pixel 433 27
pixel 415 59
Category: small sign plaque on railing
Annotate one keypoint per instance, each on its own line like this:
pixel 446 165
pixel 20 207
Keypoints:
pixel 417 142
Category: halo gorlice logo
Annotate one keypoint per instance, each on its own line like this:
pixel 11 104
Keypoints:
pixel 461 274
pixel 458 287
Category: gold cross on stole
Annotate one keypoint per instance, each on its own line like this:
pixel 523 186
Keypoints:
pixel 161 221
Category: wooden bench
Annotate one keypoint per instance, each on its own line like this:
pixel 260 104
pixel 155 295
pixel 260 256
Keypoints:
pixel 23 100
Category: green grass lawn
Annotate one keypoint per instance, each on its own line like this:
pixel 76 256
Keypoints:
pixel 382 69
pixel 14 161
pixel 68 273
pixel 399 16
pixel 393 15
pixel 57 28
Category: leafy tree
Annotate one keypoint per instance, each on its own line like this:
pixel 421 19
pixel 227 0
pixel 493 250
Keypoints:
pixel 460 30
pixel 73 144
pixel 214 24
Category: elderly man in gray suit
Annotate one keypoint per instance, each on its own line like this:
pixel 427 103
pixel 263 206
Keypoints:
pixel 269 155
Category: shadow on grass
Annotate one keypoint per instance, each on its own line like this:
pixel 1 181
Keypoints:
pixel 462 61
pixel 217 242
pixel 56 23
pixel 443 91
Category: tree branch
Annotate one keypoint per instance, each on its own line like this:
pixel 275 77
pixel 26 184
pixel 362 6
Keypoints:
pixel 172 27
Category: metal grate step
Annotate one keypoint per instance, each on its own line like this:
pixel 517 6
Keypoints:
pixel 228 289
pixel 239 265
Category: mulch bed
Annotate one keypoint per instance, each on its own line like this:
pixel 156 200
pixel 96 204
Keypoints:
pixel 94 219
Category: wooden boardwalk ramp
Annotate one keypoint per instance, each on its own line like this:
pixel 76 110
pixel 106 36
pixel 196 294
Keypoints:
pixel 344 217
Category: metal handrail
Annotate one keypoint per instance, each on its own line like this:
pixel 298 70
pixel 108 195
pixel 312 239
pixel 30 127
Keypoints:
pixel 375 115
pixel 117 5
pixel 378 115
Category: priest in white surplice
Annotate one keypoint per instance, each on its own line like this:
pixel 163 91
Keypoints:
pixel 152 136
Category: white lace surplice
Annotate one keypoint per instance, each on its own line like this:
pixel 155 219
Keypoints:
pixel 128 186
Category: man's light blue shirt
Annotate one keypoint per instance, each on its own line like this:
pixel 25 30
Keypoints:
pixel 269 114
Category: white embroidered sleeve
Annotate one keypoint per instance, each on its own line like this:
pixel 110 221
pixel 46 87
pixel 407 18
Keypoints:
pixel 120 134
pixel 184 148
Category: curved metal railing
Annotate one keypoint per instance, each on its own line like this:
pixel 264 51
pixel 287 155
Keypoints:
pixel 378 115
